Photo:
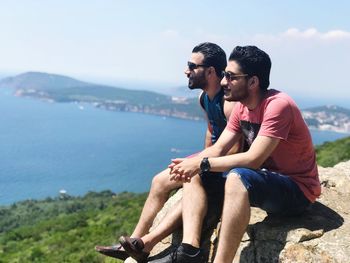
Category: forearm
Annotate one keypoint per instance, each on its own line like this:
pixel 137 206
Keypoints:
pixel 222 146
pixel 186 168
pixel 225 163
pixel 260 150
pixel 207 142
pixel 211 151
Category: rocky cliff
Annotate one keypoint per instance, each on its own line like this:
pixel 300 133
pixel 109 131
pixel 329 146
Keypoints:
pixel 322 234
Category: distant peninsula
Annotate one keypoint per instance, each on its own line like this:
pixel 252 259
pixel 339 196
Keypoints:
pixel 59 88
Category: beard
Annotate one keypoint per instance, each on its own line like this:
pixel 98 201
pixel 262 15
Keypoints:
pixel 238 95
pixel 197 81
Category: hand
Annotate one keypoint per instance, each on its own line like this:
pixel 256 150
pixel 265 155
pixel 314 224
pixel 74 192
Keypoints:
pixel 175 162
pixel 184 169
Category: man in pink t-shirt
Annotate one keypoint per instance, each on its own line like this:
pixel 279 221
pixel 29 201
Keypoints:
pixel 277 171
pixel 278 117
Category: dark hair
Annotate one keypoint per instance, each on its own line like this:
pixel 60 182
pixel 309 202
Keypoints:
pixel 214 56
pixel 254 62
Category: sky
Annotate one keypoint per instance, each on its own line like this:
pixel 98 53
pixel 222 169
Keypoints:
pixel 146 44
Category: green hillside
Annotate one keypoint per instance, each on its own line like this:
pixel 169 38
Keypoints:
pixel 331 153
pixel 66 230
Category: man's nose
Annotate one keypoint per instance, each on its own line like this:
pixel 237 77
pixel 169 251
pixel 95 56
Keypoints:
pixel 223 82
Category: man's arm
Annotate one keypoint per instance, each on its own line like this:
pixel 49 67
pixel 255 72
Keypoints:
pixel 208 134
pixel 228 108
pixel 259 151
pixel 225 142
pixel 182 169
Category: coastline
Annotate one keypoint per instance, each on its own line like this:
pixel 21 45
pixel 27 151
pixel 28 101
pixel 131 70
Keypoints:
pixel 122 106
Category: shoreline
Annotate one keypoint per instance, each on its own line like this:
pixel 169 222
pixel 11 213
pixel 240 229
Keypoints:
pixel 162 113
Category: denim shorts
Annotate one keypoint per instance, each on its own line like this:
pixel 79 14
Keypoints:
pixel 275 193
pixel 214 183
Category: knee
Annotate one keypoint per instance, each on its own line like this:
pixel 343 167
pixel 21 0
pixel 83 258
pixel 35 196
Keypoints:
pixel 195 183
pixel 235 186
pixel 157 181
pixel 161 183
pixel 195 180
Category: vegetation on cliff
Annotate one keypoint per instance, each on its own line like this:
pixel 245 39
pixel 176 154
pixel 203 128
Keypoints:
pixel 66 229
pixel 331 153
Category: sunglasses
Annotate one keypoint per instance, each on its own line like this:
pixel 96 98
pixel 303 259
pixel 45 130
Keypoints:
pixel 232 76
pixel 191 66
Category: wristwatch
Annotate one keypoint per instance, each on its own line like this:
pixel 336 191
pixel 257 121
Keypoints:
pixel 205 165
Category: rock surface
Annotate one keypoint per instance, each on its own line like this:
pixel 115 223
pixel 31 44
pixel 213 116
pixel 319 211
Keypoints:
pixel 322 234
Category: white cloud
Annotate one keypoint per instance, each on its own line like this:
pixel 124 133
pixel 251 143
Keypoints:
pixel 170 33
pixel 308 36
pixel 312 33
pixel 336 34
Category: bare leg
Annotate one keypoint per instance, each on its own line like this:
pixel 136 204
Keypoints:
pixel 194 203
pixel 235 219
pixel 167 226
pixel 158 195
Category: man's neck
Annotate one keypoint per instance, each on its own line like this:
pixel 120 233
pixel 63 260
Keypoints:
pixel 254 100
pixel 212 90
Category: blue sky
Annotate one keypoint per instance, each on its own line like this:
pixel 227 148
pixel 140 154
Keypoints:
pixel 146 44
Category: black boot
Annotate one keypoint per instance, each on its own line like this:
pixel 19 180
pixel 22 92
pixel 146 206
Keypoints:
pixel 180 256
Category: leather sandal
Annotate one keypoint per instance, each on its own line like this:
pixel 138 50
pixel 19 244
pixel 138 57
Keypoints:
pixel 134 247
pixel 114 251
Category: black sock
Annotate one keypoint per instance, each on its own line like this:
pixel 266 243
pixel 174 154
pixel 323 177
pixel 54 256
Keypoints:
pixel 189 249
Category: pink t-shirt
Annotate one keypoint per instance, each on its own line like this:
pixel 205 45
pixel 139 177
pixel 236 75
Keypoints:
pixel 278 116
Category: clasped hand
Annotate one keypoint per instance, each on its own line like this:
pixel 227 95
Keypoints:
pixel 183 169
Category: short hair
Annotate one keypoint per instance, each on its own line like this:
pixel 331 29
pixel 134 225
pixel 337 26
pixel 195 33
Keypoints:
pixel 254 62
pixel 214 56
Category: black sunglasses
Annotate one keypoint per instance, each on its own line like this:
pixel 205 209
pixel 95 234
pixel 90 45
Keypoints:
pixel 192 66
pixel 232 76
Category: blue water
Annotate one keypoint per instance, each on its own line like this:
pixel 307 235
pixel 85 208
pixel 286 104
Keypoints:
pixel 46 147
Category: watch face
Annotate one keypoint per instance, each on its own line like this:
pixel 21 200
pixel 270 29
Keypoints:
pixel 205 165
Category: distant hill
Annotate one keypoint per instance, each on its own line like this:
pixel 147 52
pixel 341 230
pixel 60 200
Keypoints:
pixel 41 81
pixel 58 88
pixel 329 109
pixel 183 91
pixel 329 117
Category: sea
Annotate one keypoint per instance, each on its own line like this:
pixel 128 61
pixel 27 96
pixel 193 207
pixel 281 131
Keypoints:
pixel 48 148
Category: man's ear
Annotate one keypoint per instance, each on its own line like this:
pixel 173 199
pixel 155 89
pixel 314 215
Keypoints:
pixel 253 82
pixel 211 70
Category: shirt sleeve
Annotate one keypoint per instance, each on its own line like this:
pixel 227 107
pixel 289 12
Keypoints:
pixel 277 119
pixel 233 124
